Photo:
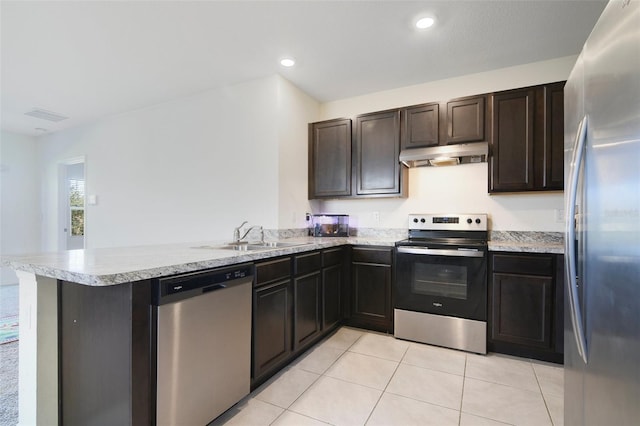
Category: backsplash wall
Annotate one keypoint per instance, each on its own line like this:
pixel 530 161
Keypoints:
pixel 453 189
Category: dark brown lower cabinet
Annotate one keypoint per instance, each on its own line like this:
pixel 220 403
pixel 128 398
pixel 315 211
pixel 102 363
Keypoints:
pixel 371 275
pixel 296 301
pixel 332 295
pixel 525 305
pixel 272 322
pixel 272 341
pixel 334 261
pixel 307 309
pixel 307 321
pixel 522 309
pixel 104 353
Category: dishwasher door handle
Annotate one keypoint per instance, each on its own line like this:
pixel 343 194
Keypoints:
pixel 213 288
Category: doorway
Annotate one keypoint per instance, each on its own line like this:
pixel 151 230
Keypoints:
pixel 73 203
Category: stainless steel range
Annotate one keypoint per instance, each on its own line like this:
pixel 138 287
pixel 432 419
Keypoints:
pixel 440 290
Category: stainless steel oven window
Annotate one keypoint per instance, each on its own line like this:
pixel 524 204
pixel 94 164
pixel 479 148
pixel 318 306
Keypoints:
pixel 440 280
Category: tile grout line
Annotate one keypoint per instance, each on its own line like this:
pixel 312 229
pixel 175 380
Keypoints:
pixel 423 368
pixel 287 409
pixel 464 379
pixel 461 400
pixel 384 391
pixel 317 378
pixel 433 369
pixel 546 406
pixel 299 414
pixel 498 384
pixel 387 385
pixel 510 385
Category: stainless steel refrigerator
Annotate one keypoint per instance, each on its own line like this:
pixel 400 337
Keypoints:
pixel 602 240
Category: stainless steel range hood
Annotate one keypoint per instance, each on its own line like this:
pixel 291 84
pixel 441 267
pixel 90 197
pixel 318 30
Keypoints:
pixel 447 155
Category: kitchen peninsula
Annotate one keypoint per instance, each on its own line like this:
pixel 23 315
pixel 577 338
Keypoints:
pixel 117 281
pixel 120 280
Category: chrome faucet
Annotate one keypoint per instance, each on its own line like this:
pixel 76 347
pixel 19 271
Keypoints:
pixel 236 232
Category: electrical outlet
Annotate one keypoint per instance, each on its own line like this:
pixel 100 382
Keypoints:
pixel 375 216
pixel 559 215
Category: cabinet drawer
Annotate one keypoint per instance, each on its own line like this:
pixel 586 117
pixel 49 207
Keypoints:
pixel 308 262
pixel 278 269
pixel 372 255
pixel 523 264
pixel 332 257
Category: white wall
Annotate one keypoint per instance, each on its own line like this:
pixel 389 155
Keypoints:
pixel 19 199
pixel 194 168
pixel 460 188
pixel 295 110
pixel 187 170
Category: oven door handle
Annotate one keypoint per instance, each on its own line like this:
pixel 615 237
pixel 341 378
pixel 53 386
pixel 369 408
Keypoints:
pixel 462 252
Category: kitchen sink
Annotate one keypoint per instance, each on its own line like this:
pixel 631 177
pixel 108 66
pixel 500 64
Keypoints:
pixel 275 244
pixel 266 245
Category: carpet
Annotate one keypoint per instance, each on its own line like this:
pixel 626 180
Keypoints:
pixel 9 384
pixel 8 329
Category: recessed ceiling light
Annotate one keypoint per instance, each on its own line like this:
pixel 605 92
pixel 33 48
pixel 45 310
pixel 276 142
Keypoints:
pixel 425 22
pixel 287 62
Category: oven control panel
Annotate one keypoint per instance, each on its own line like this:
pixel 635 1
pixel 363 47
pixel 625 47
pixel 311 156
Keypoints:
pixel 449 222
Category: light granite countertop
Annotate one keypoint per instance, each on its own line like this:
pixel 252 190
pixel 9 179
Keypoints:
pixel 531 247
pixel 109 266
pixel 527 242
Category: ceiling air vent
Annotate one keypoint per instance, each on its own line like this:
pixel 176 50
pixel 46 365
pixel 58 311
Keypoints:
pixel 46 115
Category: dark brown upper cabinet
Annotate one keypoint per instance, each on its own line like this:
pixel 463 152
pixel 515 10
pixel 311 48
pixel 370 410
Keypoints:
pixel 376 148
pixel 465 120
pixel 460 120
pixel 512 145
pixel 527 143
pixel 330 159
pixel 553 163
pixel 420 126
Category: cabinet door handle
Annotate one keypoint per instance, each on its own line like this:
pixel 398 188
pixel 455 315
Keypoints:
pixel 570 236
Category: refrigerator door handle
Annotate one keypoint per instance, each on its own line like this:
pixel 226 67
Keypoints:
pixel 570 237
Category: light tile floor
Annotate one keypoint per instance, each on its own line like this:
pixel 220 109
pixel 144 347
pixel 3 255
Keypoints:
pixel 357 377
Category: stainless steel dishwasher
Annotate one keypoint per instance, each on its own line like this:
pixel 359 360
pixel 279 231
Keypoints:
pixel 203 341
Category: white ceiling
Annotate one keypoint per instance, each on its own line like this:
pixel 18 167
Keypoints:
pixel 89 59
